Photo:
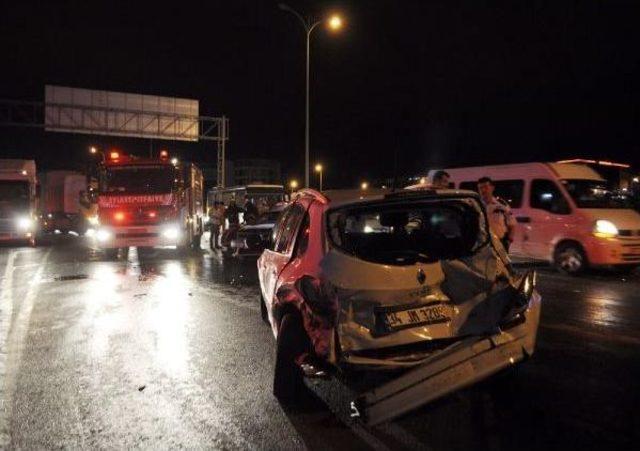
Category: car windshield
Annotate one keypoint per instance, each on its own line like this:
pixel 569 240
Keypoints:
pixel 14 193
pixel 594 194
pixel 403 234
pixel 139 179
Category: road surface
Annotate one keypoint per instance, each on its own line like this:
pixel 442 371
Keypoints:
pixel 159 351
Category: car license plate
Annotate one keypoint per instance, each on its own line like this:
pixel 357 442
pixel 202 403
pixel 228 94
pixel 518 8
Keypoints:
pixel 421 315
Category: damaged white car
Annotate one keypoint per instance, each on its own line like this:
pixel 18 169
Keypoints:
pixel 406 280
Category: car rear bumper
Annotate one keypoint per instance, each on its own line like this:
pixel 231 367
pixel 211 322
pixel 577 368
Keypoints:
pixel 523 333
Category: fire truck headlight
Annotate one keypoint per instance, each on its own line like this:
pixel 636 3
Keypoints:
pixel 24 223
pixel 171 233
pixel 103 235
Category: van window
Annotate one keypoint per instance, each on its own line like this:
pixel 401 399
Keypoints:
pixel 545 195
pixel 594 194
pixel 507 190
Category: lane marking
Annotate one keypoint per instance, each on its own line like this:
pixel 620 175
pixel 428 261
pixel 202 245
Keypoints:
pixel 6 310
pixel 13 341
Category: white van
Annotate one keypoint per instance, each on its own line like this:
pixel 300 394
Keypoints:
pixel 565 214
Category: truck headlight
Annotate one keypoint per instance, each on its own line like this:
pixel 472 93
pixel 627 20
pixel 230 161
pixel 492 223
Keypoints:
pixel 24 223
pixel 103 235
pixel 171 233
pixel 605 229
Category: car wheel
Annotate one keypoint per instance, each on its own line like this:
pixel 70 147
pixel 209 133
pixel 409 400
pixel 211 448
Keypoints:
pixel 263 310
pixel 288 380
pixel 570 259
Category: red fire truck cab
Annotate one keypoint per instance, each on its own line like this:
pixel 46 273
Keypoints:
pixel 148 202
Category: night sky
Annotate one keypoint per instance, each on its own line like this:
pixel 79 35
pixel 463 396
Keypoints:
pixel 421 83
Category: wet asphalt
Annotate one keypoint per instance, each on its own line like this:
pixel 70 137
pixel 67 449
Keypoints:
pixel 156 350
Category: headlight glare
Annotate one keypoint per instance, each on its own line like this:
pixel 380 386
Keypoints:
pixel 604 228
pixel 171 233
pixel 24 223
pixel 103 235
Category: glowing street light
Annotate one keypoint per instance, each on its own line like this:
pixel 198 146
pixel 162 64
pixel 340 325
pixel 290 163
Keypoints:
pixel 93 149
pixel 364 186
pixel 293 184
pixel 318 169
pixel 334 23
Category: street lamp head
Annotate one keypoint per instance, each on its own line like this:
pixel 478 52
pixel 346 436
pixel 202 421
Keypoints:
pixel 364 185
pixel 335 22
pixel 293 184
pixel 318 167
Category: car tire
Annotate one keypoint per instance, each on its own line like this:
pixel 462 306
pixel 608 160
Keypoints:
pixel 570 259
pixel 288 380
pixel 263 310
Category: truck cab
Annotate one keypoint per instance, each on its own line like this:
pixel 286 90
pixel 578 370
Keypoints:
pixel 149 202
pixel 18 200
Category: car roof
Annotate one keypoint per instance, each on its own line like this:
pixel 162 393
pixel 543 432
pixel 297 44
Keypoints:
pixel 338 198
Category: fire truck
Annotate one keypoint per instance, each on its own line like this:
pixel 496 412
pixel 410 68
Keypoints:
pixel 148 202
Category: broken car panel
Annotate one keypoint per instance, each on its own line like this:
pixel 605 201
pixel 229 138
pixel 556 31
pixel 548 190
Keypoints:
pixel 392 281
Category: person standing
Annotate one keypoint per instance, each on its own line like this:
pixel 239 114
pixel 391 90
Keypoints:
pixel 216 216
pixel 250 211
pixel 501 220
pixel 232 214
pixel 440 180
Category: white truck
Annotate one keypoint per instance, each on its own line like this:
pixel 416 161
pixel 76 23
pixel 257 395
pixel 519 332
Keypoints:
pixel 18 200
pixel 60 193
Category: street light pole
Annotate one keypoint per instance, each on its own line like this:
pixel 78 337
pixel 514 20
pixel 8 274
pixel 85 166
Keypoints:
pixel 335 23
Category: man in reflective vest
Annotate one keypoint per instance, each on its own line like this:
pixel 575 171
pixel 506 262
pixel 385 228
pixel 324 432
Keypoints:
pixel 501 220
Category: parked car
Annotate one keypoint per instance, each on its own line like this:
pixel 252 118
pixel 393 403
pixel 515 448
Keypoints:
pixel 383 280
pixel 566 214
pixel 249 240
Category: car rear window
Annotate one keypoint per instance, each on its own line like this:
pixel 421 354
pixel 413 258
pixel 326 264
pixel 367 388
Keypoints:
pixel 408 232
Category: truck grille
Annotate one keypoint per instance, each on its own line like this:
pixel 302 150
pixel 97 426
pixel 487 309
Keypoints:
pixel 7 226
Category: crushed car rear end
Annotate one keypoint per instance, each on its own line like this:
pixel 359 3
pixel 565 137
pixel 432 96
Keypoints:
pixel 419 282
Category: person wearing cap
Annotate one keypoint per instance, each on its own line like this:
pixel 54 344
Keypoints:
pixel 440 179
pixel 501 220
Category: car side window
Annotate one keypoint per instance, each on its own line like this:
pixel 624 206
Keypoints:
pixel 545 195
pixel 277 228
pixel 303 237
pixel 289 228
